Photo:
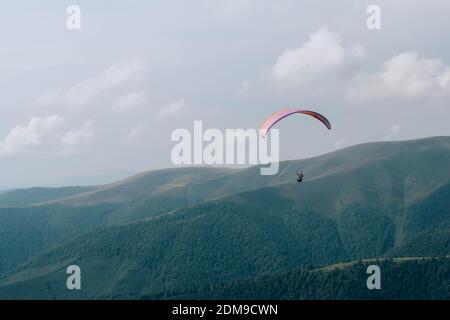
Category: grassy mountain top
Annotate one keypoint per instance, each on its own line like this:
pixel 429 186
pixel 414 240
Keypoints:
pixel 38 195
pixel 414 160
pixel 154 182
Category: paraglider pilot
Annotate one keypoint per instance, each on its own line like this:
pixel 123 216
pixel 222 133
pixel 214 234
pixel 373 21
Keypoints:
pixel 300 176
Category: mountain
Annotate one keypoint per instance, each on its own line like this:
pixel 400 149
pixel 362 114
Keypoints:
pixel 343 281
pixel 34 196
pixel 167 230
pixel 27 231
pixel 148 184
pixel 93 180
pixel 202 183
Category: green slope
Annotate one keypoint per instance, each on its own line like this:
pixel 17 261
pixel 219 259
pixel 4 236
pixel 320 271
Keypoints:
pixel 372 200
pixel 418 163
pixel 25 232
pixel 206 244
pixel 148 184
pixel 399 280
pixel 221 241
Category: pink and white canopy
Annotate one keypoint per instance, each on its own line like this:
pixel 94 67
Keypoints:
pixel 277 116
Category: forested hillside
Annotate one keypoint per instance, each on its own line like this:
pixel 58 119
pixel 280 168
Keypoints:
pixel 400 279
pixel 167 231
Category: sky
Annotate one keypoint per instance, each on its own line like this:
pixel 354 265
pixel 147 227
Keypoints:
pixel 102 101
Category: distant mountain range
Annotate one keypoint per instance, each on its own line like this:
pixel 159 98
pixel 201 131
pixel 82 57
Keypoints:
pixel 204 232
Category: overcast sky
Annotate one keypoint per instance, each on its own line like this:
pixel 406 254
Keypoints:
pixel 104 99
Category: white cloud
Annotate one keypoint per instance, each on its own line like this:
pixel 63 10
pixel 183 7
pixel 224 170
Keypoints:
pixel 83 92
pixel 172 109
pixel 135 133
pixel 46 136
pixel 322 53
pixel 444 79
pixel 35 133
pixel 406 75
pixel 78 138
pixel 131 101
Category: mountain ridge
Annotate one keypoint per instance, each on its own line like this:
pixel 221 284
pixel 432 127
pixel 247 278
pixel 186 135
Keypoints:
pixel 228 185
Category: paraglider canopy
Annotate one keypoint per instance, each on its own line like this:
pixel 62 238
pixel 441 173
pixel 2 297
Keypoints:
pixel 279 115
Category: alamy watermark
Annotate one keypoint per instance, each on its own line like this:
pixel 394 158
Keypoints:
pixel 74 280
pixel 73 21
pixel 231 147
pixel 374 280
pixel 373 21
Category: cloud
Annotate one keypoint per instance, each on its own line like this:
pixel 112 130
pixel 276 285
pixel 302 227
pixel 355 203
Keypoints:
pixel 72 141
pixel 135 133
pixel 83 92
pixel 46 135
pixel 35 133
pixel 444 79
pixel 172 109
pixel 131 101
pixel 406 75
pixel 320 55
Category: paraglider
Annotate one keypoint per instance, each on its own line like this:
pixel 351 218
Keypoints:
pixel 300 176
pixel 279 115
